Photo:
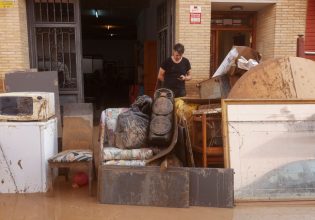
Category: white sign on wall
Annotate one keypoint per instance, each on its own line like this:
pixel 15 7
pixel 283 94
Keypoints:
pixel 195 14
pixel 195 9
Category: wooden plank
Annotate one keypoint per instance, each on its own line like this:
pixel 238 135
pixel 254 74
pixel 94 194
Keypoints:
pixel 211 187
pixel 212 151
pixel 78 119
pixel 304 77
pixel 278 78
pixel 200 101
pixel 150 67
pixel 175 187
pixel 270 112
pixel 143 186
pixel 225 136
pixel 2 85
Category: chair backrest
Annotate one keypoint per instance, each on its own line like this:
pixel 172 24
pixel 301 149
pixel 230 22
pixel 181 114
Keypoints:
pixel 77 126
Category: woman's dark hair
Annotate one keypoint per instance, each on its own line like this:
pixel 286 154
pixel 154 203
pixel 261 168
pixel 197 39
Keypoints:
pixel 179 48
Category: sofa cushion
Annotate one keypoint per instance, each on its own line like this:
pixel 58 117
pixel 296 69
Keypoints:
pixel 113 153
pixel 125 162
pixel 109 120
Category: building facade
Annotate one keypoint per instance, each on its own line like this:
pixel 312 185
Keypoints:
pixel 269 26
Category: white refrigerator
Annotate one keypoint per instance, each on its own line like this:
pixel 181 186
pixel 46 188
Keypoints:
pixel 24 150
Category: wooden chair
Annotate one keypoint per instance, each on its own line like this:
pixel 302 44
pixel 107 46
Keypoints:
pixel 77 143
pixel 204 144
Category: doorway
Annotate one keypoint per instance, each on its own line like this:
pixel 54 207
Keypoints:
pixel 105 52
pixel 122 44
pixel 228 30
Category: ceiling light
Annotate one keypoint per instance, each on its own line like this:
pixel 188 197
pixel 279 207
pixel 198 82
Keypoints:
pixel 96 13
pixel 236 8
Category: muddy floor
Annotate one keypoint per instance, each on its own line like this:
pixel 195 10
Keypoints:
pixel 70 203
pixel 75 204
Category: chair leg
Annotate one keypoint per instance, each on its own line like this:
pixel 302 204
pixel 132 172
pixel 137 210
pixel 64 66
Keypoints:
pixel 51 181
pixel 90 177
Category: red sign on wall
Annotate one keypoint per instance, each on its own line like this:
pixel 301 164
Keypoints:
pixel 195 18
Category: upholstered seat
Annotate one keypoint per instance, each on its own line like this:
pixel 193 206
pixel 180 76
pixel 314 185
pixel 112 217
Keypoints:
pixel 72 156
pixel 76 142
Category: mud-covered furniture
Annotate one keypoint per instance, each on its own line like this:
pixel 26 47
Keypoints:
pixel 207 145
pixel 174 187
pixel 77 147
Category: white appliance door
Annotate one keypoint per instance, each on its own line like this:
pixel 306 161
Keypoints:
pixel 23 157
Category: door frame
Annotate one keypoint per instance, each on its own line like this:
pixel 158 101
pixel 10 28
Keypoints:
pixel 215 29
pixel 169 27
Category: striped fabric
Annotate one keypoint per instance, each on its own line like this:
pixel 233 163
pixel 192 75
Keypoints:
pixel 113 153
pixel 72 156
pixel 125 162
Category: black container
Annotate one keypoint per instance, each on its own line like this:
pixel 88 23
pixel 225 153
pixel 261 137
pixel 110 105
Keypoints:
pixel 161 124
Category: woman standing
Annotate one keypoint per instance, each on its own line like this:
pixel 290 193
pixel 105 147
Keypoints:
pixel 174 71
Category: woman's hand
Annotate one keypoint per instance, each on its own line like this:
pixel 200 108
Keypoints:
pixel 182 78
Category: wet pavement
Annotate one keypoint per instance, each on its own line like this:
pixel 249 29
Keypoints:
pixel 69 203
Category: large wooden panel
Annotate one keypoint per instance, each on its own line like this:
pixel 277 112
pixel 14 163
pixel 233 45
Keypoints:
pixel 77 126
pixel 281 78
pixel 150 67
pixel 211 187
pixel 174 187
pixel 271 148
pixel 143 186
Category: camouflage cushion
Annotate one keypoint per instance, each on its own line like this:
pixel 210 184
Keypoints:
pixel 113 153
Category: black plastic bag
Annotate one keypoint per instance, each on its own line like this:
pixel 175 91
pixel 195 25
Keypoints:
pixel 143 103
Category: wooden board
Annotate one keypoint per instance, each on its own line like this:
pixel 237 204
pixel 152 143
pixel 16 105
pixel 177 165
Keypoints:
pixel 2 85
pixel 200 101
pixel 270 146
pixel 174 187
pixel 150 68
pixel 143 186
pixel 211 187
pixel 281 78
pixel 78 126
